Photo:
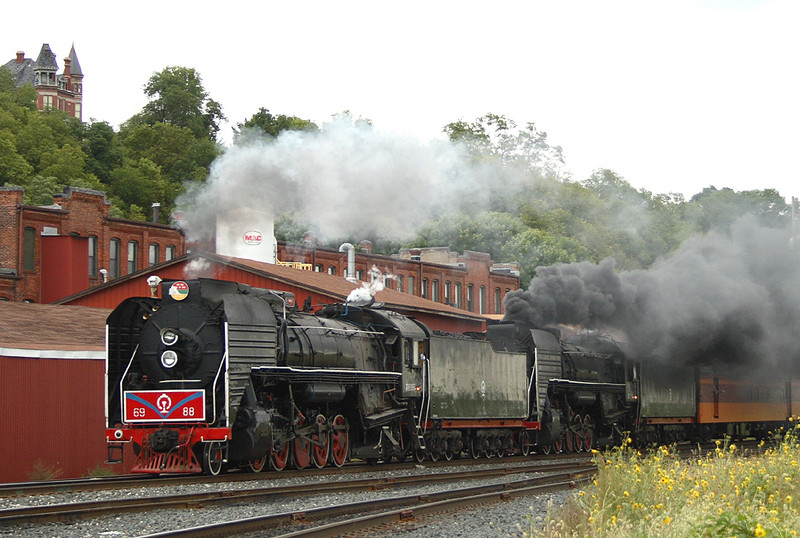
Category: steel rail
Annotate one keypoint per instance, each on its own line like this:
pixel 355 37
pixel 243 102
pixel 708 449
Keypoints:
pixel 370 513
pixel 69 512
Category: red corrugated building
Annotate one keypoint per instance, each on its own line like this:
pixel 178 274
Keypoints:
pixel 52 368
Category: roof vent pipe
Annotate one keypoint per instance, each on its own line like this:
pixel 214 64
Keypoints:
pixel 350 275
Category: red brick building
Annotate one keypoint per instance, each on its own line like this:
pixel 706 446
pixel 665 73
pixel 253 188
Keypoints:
pixel 62 91
pixel 468 281
pixel 50 252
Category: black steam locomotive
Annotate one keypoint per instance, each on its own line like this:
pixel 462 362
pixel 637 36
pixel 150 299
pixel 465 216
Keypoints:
pixel 218 374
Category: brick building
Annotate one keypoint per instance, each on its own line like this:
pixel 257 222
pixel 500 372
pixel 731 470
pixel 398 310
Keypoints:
pixel 50 252
pixel 62 91
pixel 468 281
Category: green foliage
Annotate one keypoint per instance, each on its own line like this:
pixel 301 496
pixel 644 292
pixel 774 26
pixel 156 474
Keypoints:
pixel 43 471
pixel 265 122
pixel 177 97
pixel 99 471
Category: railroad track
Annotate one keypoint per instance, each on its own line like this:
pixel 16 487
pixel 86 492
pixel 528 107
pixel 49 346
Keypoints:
pixel 72 512
pixel 23 489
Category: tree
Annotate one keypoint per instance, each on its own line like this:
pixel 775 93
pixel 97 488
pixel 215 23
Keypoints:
pixel 272 125
pixel 718 208
pixel 494 135
pixel 177 97
pixel 14 169
pixel 103 150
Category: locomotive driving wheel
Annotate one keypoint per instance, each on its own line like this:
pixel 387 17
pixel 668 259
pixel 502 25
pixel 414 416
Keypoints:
pixel 279 458
pixel 340 440
pixel 321 443
pixel 524 443
pixel 257 465
pixel 588 432
pixel 301 452
pixel 213 457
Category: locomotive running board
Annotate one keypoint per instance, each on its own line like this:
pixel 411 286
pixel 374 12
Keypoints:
pixel 308 375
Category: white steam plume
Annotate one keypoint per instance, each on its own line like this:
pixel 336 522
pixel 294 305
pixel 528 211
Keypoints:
pixel 345 179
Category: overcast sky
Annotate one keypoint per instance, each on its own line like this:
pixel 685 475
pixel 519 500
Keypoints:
pixel 674 95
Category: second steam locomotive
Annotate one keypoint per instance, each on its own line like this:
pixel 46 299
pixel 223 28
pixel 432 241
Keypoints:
pixel 217 374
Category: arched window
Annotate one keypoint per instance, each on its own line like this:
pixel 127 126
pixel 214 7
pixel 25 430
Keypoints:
pixel 113 258
pixel 133 256
pixel 154 253
pixel 92 255
pixel 29 249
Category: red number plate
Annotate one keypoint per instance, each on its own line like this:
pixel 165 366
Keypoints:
pixel 165 406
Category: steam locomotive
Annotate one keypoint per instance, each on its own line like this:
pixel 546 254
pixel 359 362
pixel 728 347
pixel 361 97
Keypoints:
pixel 219 375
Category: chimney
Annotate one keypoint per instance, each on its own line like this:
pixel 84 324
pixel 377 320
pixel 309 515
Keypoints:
pixel 156 211
pixel 309 239
pixel 20 56
pixel 66 67
pixel 351 261
pixel 366 246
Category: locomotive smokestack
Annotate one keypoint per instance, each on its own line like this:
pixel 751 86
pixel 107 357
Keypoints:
pixel 351 260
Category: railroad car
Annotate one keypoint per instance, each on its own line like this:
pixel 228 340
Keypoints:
pixel 216 375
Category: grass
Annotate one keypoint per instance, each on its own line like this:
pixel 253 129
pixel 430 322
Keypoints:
pixel 725 492
pixel 42 471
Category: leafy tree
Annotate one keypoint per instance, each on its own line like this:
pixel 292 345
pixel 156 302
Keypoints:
pixel 265 122
pixel 177 97
pixel 103 150
pixel 497 136
pixel 139 184
pixel 714 208
pixel 14 169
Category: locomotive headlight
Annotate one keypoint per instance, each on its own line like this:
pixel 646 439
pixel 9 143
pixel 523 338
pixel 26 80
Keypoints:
pixel 169 359
pixel 169 337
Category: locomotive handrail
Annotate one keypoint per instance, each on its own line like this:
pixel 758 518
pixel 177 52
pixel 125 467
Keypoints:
pixel 121 379
pixel 335 329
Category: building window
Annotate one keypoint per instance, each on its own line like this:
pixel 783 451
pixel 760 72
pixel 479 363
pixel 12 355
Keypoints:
pixel 360 274
pixel 399 282
pixel 448 289
pixel 92 255
pixel 458 295
pixel 497 304
pixel 28 249
pixel 318 268
pixel 435 291
pixel 482 299
pixel 470 298
pixel 113 258
pixel 332 270
pixel 153 254
pixel 47 101
pixel 133 256
pixel 412 285
pixel 424 291
pixel 169 253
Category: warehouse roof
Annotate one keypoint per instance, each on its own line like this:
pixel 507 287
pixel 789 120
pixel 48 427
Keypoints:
pixel 33 326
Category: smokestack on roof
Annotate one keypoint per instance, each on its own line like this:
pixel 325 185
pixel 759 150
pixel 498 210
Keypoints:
pixel 309 239
pixel 156 211
pixel 351 260
pixel 366 246
pixel 20 56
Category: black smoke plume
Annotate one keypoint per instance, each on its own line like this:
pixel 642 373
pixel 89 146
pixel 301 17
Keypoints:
pixel 725 298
